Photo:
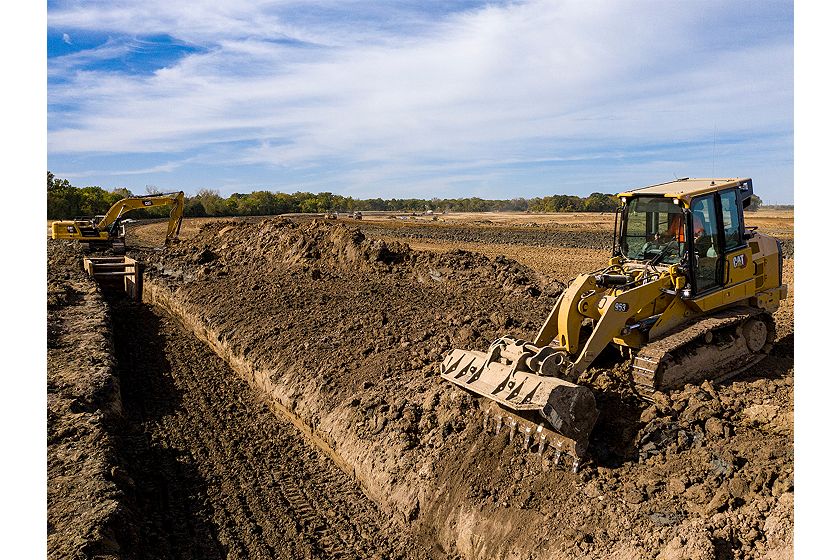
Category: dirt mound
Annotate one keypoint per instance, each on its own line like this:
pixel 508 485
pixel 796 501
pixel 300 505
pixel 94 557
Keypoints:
pixel 279 244
pixel 346 332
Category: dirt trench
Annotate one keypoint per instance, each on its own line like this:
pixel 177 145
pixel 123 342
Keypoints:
pixel 211 472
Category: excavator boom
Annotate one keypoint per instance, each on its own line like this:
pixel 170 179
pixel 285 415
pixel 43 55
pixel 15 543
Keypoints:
pixel 118 210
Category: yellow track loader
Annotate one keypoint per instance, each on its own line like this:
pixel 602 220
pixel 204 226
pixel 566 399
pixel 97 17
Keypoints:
pixel 109 231
pixel 687 296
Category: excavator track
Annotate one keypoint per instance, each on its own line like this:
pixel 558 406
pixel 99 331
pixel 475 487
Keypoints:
pixel 714 348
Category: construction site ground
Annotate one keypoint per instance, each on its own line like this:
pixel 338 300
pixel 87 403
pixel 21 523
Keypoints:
pixel 277 396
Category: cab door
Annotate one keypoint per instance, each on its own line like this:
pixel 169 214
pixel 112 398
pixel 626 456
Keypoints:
pixel 738 266
pixel 707 244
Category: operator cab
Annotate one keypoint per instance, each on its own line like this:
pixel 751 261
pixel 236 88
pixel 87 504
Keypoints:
pixel 665 224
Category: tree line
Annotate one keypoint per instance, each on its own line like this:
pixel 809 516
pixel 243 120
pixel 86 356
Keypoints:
pixel 67 201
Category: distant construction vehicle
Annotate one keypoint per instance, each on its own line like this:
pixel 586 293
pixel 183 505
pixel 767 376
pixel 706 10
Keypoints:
pixel 108 231
pixel 687 296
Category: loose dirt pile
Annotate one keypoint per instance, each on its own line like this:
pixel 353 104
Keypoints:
pixel 345 332
pixel 85 514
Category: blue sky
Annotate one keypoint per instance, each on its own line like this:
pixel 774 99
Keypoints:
pixel 420 99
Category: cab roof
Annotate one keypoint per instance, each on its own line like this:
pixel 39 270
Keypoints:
pixel 685 189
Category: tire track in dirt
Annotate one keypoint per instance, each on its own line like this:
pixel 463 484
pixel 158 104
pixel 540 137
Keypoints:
pixel 211 471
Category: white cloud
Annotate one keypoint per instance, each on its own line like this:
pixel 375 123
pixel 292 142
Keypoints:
pixel 166 167
pixel 528 81
pixel 66 38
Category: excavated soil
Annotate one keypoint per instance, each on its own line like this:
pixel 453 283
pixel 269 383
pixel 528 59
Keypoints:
pixel 576 236
pixel 343 333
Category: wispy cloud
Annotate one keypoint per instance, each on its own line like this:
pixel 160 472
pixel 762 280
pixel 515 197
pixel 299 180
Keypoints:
pixel 376 103
pixel 167 167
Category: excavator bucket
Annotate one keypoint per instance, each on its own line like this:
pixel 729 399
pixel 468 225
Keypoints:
pixel 520 378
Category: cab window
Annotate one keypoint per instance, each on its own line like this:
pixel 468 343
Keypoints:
pixel 731 219
pixel 654 229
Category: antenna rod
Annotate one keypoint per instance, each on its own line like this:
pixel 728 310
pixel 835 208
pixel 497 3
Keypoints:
pixel 714 147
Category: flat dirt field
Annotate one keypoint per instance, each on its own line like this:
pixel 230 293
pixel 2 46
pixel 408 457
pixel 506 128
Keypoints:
pixel 276 395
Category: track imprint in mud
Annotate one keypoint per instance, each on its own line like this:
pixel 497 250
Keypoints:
pixel 212 473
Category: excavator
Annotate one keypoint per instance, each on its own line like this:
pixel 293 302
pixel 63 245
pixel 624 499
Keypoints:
pixel 687 296
pixel 108 231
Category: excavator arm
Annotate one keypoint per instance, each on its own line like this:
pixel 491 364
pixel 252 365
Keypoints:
pixel 125 205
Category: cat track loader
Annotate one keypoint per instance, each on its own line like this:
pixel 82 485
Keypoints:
pixel 687 296
pixel 109 231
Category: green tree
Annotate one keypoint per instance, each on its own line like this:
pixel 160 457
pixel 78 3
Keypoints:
pixel 63 200
pixel 308 205
pixel 212 203
pixel 600 202
pixel 232 207
pixel 193 208
pixel 324 201
pixel 260 203
pixel 95 201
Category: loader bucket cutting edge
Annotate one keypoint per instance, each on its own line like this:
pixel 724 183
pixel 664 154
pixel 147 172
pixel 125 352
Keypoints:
pixel 567 408
pixel 534 437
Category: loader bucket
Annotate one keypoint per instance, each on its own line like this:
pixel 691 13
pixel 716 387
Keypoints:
pixel 565 408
